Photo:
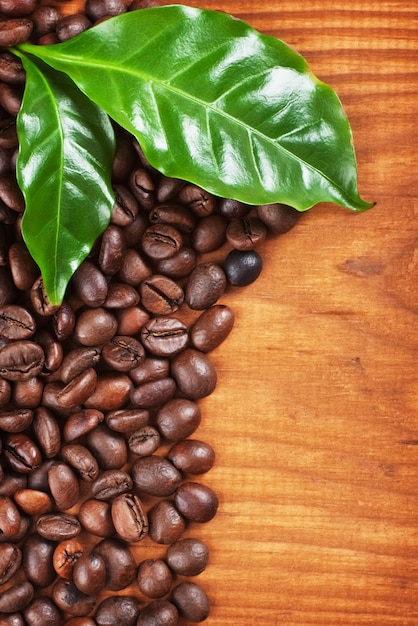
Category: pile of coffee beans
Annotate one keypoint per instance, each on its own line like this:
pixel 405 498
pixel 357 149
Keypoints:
pixel 99 397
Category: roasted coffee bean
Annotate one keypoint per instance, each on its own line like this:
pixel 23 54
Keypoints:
pixel 90 284
pixel 175 215
pixel 242 267
pixel 11 69
pixel 120 563
pixel 209 234
pixel 95 516
pixel 72 25
pixel 21 453
pixel 58 526
pixel 198 200
pixel 42 611
pixel 16 322
pixel 11 483
pixel 191 601
pixel 125 209
pixel 124 159
pixel 89 573
pixel 205 285
pixel 123 353
pixel 8 134
pixel 153 394
pixel 77 361
pixel 144 441
pixel 21 360
pixel 12 619
pixel 131 320
pixel 178 418
pixel 112 250
pixel 142 187
pixel 121 296
pixel 33 501
pixel 155 476
pixel 133 232
pixel 246 233
pixel 158 613
pixel 194 374
pixel 5 392
pixel 38 479
pixel 64 486
pixel 15 421
pixel 161 241
pixel 109 447
pixel 95 327
pixel 111 393
pixel 161 295
pixel 154 578
pixel 9 517
pixel 127 420
pixel 129 518
pixel 192 456
pixel 82 460
pixel 37 554
pixel 164 336
pixel 7 289
pixel 188 556
pixel 167 187
pixel 152 368
pixel 15 31
pixel 10 560
pixel 232 209
pixel 50 399
pixel 15 598
pixel 45 19
pixel 117 610
pixel 134 269
pixel 70 599
pixel 25 522
pixel 10 98
pixel 40 301
pixel 212 327
pixel 197 502
pixel 80 423
pixel 180 265
pixel 28 393
pixel 63 321
pixel 47 432
pixel 111 484
pixel 65 556
pixel 53 351
pixel 17 8
pixel 78 389
pixel 279 218
pixel 97 9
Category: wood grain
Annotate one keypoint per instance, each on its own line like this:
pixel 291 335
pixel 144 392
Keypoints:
pixel 315 416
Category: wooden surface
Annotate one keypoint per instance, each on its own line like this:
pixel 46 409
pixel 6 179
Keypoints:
pixel 315 416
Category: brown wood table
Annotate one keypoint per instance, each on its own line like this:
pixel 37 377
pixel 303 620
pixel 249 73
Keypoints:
pixel 315 416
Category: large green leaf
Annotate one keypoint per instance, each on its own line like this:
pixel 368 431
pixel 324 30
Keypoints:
pixel 63 170
pixel 215 102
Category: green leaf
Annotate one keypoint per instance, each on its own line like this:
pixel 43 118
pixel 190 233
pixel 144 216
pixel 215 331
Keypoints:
pixel 213 101
pixel 63 170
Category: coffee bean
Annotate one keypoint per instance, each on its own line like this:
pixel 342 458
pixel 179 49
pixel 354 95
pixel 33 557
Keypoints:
pixel 13 619
pixel 65 556
pixel 156 476
pixel 209 234
pixel 81 422
pixel 134 268
pixel 212 327
pixel 180 265
pixel 78 390
pixel 123 353
pixel 95 516
pixel 161 241
pixel 166 524
pixel 125 209
pixel 191 601
pixel 15 31
pixel 89 573
pixel 17 8
pixel 44 19
pixel 5 392
pixel 37 555
pixel 117 610
pixel 242 267
pixel 16 322
pixel 40 301
pixel 70 599
pixel 192 456
pixel 160 295
pixel 10 560
pixel 246 233
pixel 64 486
pixel 120 563
pixel 154 393
pixel 95 327
pixel 11 68
pixel 58 526
pixel 11 482
pixel 127 420
pixel 131 320
pixel 80 621
pixel 81 460
pixel 52 349
pixel 279 218
pixel 232 209
pixel 111 484
pixel 197 502
pixel 112 251
pixel 188 556
pixel 23 268
pixel 198 200
pixel 164 336
pixel 161 612
pixel 28 393
pixel 121 296
pixel 42 611
pixel 21 360
pixel 33 501
pixel 16 597
pixel 21 453
pixel 205 286
pixel 47 432
pixel 108 447
pixel 111 393
pixel 154 578
pixel 144 441
pixel 142 187
pixel 90 284
pixel 178 418
pixel 10 517
pixel 63 321
pixel 77 361
pixel 175 215
pixel 72 25
pixel 194 374
pixel 129 518
pixel 15 421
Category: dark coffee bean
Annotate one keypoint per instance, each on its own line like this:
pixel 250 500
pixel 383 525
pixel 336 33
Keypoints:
pixel 212 327
pixel 109 447
pixel 117 610
pixel 153 394
pixel 90 284
pixel 10 560
pixel 164 336
pixel 96 9
pixel 161 295
pixel 50 401
pixel 166 524
pixel 16 322
pixel 158 613
pixel 17 8
pixel 142 187
pixel 21 360
pixel 191 601
pixel 78 389
pixel 152 368
pixel 53 351
pixel 111 484
pixel 127 420
pixel 95 327
pixel 209 234
pixel 154 578
pixel 161 241
pixel 205 285
pixel 89 573
pixel 129 518
pixel 167 187
pixel 175 215
pixel 81 460
pixel 95 516
pixel 134 231
pixel 12 619
pixel 194 374
pixel 246 233
pixel 15 598
pixel 155 476
pixel 197 502
pixel 15 31
pixel 21 453
pixel 112 250
pixel 71 26
pixel 125 209
pixel 70 599
pixel 77 361
pixel 198 200
pixel 192 456
pixel 8 134
pixel 11 69
pixel 37 554
pixel 121 296
pixel 42 611
pixel 27 394
pixel 63 321
pixel 80 423
pixel 131 320
pixel 279 218
pixel 111 393
pixel 180 265
pixel 15 421
pixel 47 432
pixel 242 267
pixel 7 289
pixel 38 479
pixel 188 557
pixel 45 19
pixel 124 159
pixel 120 563
pixel 144 441
pixel 65 556
pixel 10 98
pixel 64 486
pixel 178 419
pixel 57 526
pixel 5 392
pixel 123 353
pixel 33 501
pixel 232 209
pixel 40 301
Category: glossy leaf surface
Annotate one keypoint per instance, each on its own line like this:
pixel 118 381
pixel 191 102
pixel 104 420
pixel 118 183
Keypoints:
pixel 63 170
pixel 213 101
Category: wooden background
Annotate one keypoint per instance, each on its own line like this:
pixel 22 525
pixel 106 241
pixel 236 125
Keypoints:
pixel 315 417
